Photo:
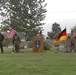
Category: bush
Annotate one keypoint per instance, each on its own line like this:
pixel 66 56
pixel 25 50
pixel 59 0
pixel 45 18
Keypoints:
pixel 46 46
pixel 29 44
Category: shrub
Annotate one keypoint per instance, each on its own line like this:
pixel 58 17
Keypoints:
pixel 29 44
pixel 46 46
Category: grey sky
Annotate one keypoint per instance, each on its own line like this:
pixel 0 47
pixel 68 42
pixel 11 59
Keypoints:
pixel 61 11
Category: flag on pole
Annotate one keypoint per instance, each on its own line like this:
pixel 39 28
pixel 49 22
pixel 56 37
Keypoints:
pixel 62 36
pixel 10 33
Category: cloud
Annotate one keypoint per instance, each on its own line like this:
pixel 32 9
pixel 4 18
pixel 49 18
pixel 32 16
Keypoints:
pixel 63 23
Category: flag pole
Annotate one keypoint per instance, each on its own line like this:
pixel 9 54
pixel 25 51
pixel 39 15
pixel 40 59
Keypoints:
pixel 66 37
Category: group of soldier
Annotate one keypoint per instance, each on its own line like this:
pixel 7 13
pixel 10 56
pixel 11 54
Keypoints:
pixel 70 43
pixel 15 42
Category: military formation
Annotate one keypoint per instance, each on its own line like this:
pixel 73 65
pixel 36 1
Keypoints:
pixel 70 42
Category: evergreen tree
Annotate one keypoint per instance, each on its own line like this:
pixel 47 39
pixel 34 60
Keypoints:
pixel 56 29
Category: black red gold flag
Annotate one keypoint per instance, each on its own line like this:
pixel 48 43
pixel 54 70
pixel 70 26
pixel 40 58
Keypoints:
pixel 62 36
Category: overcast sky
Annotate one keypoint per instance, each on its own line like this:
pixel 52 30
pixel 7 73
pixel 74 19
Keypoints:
pixel 61 11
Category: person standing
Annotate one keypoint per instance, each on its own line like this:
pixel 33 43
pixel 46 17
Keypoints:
pixel 72 44
pixel 1 41
pixel 16 42
pixel 75 44
pixel 40 35
pixel 67 44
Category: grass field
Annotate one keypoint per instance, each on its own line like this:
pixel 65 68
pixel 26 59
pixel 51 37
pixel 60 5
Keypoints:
pixel 29 63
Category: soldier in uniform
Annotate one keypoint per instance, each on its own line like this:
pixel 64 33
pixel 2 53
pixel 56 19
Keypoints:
pixel 16 42
pixel 1 40
pixel 67 44
pixel 40 35
pixel 72 44
pixel 56 46
pixel 75 44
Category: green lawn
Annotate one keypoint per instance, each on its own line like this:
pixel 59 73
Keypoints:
pixel 29 63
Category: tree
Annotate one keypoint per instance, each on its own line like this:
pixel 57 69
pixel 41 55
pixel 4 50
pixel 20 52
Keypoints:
pixel 56 29
pixel 74 29
pixel 24 15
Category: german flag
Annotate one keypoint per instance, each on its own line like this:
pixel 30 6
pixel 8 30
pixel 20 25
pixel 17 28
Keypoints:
pixel 62 36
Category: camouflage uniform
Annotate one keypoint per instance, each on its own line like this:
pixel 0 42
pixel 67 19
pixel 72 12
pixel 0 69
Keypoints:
pixel 72 44
pixel 75 44
pixel 16 42
pixel 56 45
pixel 40 35
pixel 1 40
pixel 67 43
